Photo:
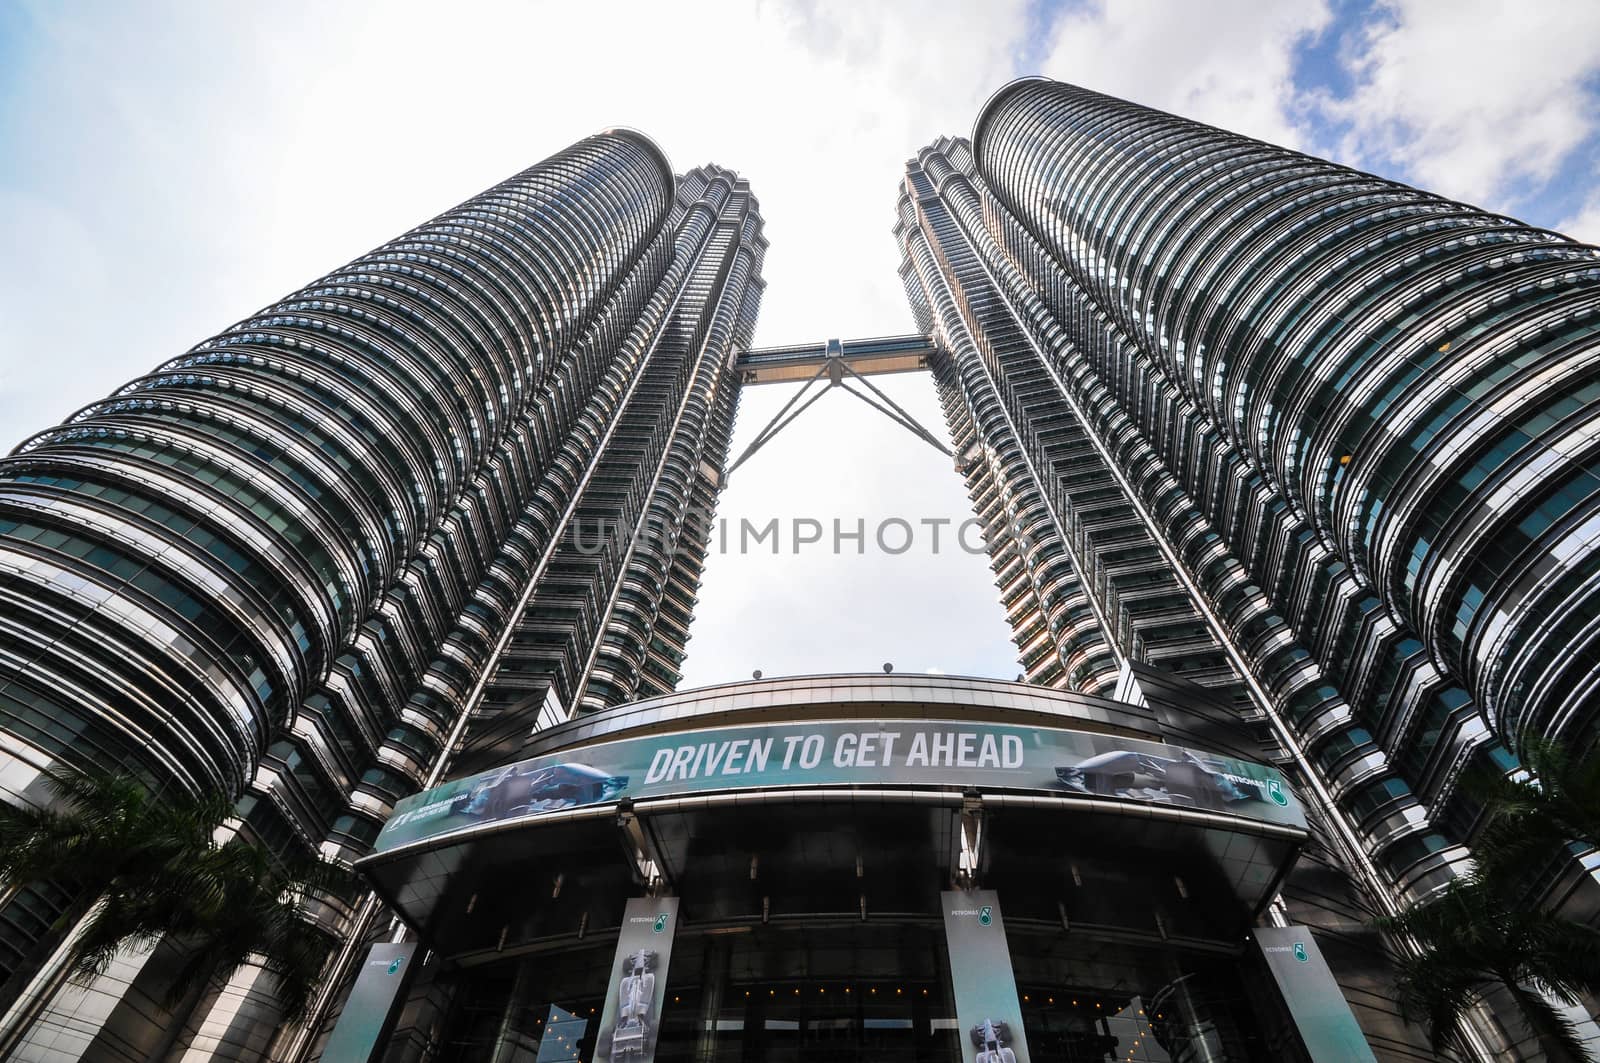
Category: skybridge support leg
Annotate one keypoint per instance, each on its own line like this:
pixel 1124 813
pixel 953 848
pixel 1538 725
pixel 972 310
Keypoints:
pixel 836 370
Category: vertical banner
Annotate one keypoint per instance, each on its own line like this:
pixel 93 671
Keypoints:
pixel 632 1015
pixel 988 1014
pixel 365 1015
pixel 1328 1030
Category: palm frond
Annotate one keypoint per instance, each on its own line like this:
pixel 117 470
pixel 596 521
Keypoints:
pixel 161 875
pixel 1556 1033
pixel 1559 801
pixel 117 923
pixel 297 955
pixel 1564 958
pixel 1437 994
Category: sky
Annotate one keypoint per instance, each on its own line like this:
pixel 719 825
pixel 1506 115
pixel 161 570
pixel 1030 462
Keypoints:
pixel 167 168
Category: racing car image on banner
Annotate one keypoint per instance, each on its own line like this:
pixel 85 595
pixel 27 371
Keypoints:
pixel 992 1039
pixel 521 788
pixel 947 754
pixel 1187 780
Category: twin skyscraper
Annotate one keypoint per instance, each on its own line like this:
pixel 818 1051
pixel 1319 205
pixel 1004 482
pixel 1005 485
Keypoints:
pixel 1314 450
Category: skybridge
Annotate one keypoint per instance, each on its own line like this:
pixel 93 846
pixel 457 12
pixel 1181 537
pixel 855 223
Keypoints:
pixel 800 362
pixel 842 364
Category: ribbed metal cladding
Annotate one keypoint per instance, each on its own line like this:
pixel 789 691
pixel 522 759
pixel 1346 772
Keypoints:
pixel 287 562
pixel 1061 529
pixel 1124 529
pixel 1413 378
pixel 1347 431
pixel 608 618
pixel 302 560
pixel 1060 634
pixel 648 630
pixel 182 562
pixel 1320 442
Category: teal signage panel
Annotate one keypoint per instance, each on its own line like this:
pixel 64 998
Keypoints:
pixel 1321 1016
pixel 854 753
pixel 366 1012
pixel 988 1014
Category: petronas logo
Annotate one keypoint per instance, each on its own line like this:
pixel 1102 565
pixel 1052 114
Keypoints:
pixel 1300 952
pixel 985 915
pixel 1275 791
pixel 394 964
pixel 661 923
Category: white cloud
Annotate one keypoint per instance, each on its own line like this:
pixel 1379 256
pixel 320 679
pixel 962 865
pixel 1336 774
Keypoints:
pixel 1225 62
pixel 1585 224
pixel 1471 99
pixel 218 157
pixel 822 611
pixel 170 169
pixel 164 170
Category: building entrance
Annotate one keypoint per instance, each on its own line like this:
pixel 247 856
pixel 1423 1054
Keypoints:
pixel 846 992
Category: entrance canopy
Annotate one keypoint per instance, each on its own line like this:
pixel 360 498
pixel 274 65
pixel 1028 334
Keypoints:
pixel 866 795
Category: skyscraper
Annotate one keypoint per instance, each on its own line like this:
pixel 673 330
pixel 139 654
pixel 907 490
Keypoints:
pixel 1323 443
pixel 1289 479
pixel 301 560
pixel 1300 434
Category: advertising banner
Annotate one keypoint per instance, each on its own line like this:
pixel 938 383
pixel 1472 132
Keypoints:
pixel 949 754
pixel 372 998
pixel 632 1013
pixel 1328 1030
pixel 988 1014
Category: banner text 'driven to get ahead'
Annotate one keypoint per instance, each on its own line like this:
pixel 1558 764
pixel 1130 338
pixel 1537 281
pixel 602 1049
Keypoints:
pixel 909 753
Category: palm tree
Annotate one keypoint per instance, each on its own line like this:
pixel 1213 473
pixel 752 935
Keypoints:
pixel 159 873
pixel 106 828
pixel 1471 942
pixel 1559 803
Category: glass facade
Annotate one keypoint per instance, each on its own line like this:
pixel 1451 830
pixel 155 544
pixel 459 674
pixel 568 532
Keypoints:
pixel 863 993
pixel 1301 435
pixel 1278 462
pixel 315 554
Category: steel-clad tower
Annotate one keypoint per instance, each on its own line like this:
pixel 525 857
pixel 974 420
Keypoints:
pixel 304 560
pixel 1324 443
pixel 1291 482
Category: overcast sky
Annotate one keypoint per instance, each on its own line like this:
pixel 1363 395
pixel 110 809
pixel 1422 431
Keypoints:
pixel 165 169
